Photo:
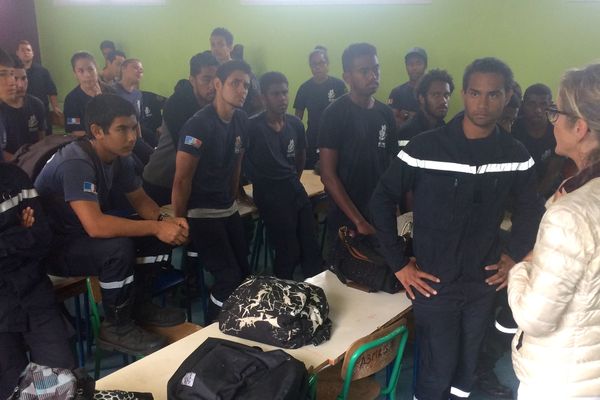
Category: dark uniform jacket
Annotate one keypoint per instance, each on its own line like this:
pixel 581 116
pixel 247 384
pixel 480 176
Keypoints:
pixel 23 282
pixel 459 202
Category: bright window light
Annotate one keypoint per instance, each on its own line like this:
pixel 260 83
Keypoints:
pixel 331 2
pixel 108 2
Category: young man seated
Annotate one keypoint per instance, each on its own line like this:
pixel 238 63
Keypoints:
pixel 88 86
pixel 112 72
pixel 24 114
pixel 274 162
pixel 29 317
pixel 75 186
pixel 207 175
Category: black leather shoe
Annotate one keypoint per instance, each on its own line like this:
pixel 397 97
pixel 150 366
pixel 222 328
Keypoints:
pixel 488 383
pixel 148 313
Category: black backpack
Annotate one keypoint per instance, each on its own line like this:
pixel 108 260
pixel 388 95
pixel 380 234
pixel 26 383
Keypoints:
pixel 278 312
pixel 31 158
pixel 225 370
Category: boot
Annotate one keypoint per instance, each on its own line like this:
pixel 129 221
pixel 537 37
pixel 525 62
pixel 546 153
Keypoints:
pixel 119 332
pixel 148 313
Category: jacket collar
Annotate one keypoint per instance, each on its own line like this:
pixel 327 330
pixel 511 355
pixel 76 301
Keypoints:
pixel 582 177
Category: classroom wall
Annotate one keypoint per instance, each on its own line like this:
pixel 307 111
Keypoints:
pixel 539 39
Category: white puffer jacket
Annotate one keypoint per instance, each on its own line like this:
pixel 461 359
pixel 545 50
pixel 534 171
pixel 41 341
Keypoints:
pixel 555 300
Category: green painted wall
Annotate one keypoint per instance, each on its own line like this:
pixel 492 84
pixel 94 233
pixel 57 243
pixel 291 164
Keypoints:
pixel 539 39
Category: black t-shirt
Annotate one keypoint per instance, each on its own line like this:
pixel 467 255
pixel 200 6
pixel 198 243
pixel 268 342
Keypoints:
pixel 40 83
pixel 366 142
pixel 74 107
pixel 23 124
pixel 413 127
pixel 315 97
pixel 542 149
pixel 218 145
pixel 271 155
pixel 403 98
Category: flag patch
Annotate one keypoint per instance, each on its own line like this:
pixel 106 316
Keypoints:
pixel 73 121
pixel 192 141
pixel 89 187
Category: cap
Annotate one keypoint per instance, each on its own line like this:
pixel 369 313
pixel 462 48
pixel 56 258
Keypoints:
pixel 417 51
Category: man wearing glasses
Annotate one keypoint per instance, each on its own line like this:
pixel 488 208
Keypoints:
pixel 534 130
pixel 357 140
pixel 462 176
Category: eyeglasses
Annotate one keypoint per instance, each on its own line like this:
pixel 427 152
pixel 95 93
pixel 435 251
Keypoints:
pixel 552 114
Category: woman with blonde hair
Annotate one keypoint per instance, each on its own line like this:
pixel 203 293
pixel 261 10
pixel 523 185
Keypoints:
pixel 555 292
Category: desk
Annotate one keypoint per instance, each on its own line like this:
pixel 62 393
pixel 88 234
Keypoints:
pixel 354 314
pixel 311 182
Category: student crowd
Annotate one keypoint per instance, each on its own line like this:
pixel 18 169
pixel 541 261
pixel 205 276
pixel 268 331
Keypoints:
pixel 502 156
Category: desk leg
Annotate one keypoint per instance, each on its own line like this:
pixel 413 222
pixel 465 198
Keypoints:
pixel 80 349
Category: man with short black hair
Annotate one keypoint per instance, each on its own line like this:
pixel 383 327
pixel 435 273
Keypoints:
pixel 462 176
pixel 221 45
pixel 127 87
pixel 207 174
pixel 106 46
pixel 24 114
pixel 40 83
pixel 533 129
pixel 190 95
pixel 357 140
pixel 112 72
pixel 402 98
pixel 76 186
pixel 274 162
pixel 433 93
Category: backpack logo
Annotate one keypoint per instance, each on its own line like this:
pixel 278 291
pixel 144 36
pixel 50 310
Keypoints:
pixel 188 379
pixel 331 95
pixel 192 141
pixel 147 112
pixel 238 145
pixel 89 187
pixel 382 136
pixel 291 149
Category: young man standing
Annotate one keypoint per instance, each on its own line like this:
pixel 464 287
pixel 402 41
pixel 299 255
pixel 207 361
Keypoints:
pixel 314 96
pixel 402 98
pixel 356 142
pixel 125 254
pixel 190 95
pixel 537 135
pixel 207 175
pixel 221 45
pixel 462 176
pixel 41 84
pixel 274 162
pixel 112 72
pixel 433 93
pixel 24 114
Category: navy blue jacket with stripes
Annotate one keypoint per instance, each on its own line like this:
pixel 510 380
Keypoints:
pixel 24 285
pixel 458 207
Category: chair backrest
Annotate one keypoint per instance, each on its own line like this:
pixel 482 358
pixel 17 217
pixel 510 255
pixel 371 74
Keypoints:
pixel 373 353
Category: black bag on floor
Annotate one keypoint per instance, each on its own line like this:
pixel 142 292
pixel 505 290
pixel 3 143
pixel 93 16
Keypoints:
pixel 225 370
pixel 357 260
pixel 278 312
